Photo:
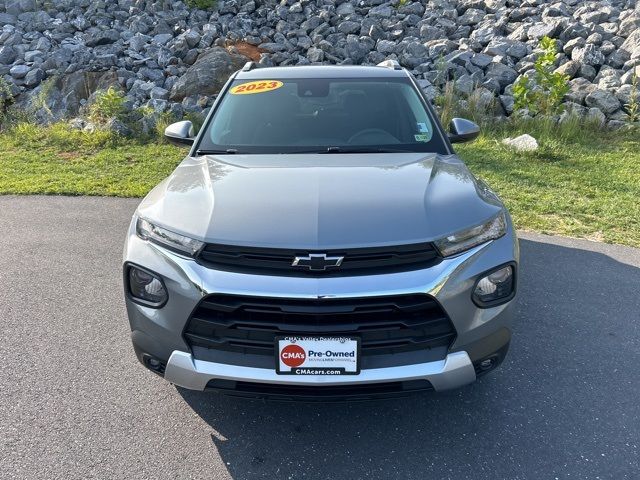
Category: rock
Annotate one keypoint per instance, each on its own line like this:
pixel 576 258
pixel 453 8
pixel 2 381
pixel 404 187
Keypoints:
pixel 19 71
pixel 104 37
pixel 502 73
pixel 34 77
pixel 119 128
pixel 603 100
pixel 579 88
pixel 315 55
pixel 522 143
pixel 588 55
pixel 569 69
pixel 8 55
pixel 16 7
pixel 595 115
pixel 208 74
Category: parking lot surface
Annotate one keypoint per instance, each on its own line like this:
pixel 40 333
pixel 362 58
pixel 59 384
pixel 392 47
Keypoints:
pixel 75 403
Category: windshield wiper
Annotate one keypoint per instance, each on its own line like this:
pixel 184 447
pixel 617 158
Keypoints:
pixel 228 151
pixel 364 150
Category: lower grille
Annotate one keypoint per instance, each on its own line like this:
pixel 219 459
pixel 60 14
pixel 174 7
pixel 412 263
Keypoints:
pixel 317 393
pixel 385 325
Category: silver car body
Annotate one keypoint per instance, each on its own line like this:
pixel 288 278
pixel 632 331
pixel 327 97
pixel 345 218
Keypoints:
pixel 316 203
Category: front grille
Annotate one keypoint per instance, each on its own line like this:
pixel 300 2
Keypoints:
pixel 356 260
pixel 385 325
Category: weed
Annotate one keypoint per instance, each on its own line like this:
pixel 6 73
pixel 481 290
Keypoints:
pixel 107 104
pixel 201 4
pixel 633 107
pixel 543 93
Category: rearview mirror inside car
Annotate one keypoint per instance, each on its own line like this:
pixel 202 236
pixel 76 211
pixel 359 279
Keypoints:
pixel 462 130
pixel 180 132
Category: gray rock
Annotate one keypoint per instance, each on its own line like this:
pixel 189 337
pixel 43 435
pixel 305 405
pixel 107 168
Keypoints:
pixel 103 37
pixel 522 143
pixel 207 75
pixel 16 7
pixel 579 88
pixel 34 77
pixel 595 115
pixel 588 55
pixel 19 71
pixel 571 45
pixel 8 55
pixel 119 128
pixel 348 26
pixel 315 55
pixel 539 30
pixel 603 100
pixel 569 69
pixel 504 74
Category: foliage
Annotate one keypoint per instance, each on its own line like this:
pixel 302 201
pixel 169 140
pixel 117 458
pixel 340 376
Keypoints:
pixel 201 4
pixel 107 104
pixel 543 93
pixel 474 106
pixel 6 98
pixel 402 3
pixel 633 107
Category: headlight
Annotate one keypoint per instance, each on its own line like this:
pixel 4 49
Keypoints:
pixel 471 237
pixel 166 238
pixel 495 288
pixel 145 287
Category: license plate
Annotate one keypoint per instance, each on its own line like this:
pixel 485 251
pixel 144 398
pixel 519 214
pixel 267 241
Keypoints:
pixel 317 355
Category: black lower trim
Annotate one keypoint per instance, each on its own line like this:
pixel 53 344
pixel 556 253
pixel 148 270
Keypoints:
pixel 319 393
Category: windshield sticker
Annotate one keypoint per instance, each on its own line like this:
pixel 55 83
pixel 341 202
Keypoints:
pixel 421 138
pixel 422 127
pixel 259 86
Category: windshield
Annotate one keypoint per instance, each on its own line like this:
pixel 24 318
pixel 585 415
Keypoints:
pixel 324 115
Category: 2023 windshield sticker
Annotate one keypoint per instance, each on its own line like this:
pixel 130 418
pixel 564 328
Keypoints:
pixel 258 86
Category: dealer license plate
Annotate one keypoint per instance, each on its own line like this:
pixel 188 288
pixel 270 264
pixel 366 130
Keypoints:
pixel 317 355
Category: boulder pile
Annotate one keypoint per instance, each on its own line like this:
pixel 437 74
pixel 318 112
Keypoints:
pixel 172 58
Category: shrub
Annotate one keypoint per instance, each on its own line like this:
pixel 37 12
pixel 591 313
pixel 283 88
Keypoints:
pixel 633 107
pixel 543 93
pixel 107 104
pixel 6 98
pixel 201 4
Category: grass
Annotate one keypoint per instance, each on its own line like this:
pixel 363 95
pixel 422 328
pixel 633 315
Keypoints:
pixel 58 160
pixel 586 186
pixel 581 182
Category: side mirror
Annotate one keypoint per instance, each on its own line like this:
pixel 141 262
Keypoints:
pixel 461 130
pixel 180 132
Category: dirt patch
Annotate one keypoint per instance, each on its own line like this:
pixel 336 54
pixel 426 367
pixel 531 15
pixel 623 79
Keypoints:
pixel 246 49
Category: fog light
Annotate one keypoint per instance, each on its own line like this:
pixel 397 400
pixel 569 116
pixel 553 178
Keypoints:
pixel 146 288
pixel 495 288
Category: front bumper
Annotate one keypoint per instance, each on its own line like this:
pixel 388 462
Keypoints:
pixel 454 371
pixel 481 332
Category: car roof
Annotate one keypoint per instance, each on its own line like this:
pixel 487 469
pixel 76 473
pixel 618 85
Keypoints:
pixel 319 71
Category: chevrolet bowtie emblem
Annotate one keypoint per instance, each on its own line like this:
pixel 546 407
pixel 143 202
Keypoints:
pixel 317 262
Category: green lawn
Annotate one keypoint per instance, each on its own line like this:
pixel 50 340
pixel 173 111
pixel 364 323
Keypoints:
pixel 584 184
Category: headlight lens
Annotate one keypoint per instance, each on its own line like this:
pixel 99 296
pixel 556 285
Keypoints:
pixel 471 237
pixel 495 288
pixel 166 238
pixel 146 288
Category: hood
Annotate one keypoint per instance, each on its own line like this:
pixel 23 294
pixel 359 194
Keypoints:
pixel 319 201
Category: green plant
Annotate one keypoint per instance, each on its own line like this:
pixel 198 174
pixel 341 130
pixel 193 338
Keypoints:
pixel 543 93
pixel 200 4
pixel 107 104
pixel 402 3
pixel 6 98
pixel 633 107
pixel 447 102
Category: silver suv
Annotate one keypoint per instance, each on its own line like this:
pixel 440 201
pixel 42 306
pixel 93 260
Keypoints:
pixel 321 240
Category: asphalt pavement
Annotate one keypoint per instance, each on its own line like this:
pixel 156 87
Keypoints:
pixel 75 403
